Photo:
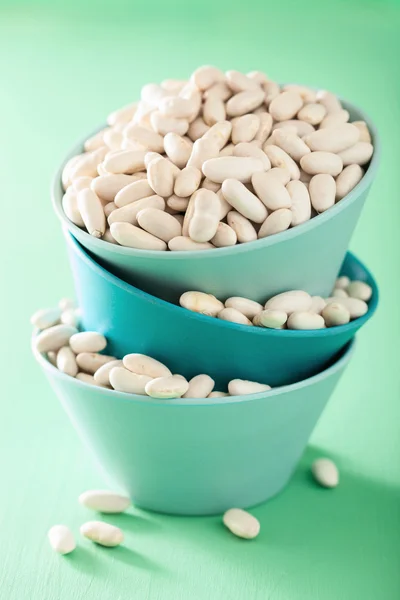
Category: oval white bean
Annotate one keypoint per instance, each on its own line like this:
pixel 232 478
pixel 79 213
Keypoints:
pixel 225 236
pixel 177 203
pixel 87 341
pixel 125 161
pixel 213 110
pixel 123 380
pixel 291 143
pixel 159 223
pixel 163 125
pixel 342 282
pixel 160 174
pixel 347 180
pixel 339 293
pixel 104 501
pixel 285 106
pixel 206 76
pixel 289 302
pixel 244 128
pixel 335 314
pixel 219 133
pixel 322 162
pixel 241 199
pixel 271 191
pixel 334 119
pixel 92 213
pixel 301 127
pixel 187 182
pixel 265 127
pixel 247 149
pixel 277 221
pixel 206 304
pixel 185 244
pixel 218 395
pixel 329 100
pixel 325 472
pixel 70 207
pixel 234 316
pixel 271 319
pixel 242 387
pixel 243 228
pixel 317 305
pixel 355 306
pixel 333 139
pixel 86 378
pixel 61 539
pixel 200 386
pixel 174 386
pixel 249 308
pixel 312 113
pixel 360 290
pixel 300 202
pixel 241 523
pixel 244 102
pixel 102 533
pixel 322 189
pixel 47 317
pixel 133 192
pixel 359 154
pixel 178 149
pixel 133 237
pixel 206 215
pixel 102 375
pixel 90 362
pixel 70 316
pixel 197 129
pixel 362 127
pixel 305 320
pixel 145 365
pixel 53 338
pixel 66 361
pixel 280 158
pixel 129 212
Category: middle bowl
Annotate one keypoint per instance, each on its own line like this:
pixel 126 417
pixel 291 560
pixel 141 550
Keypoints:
pixel 191 343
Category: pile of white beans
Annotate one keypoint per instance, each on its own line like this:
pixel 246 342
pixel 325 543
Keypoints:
pixel 295 309
pixel 223 158
pixel 78 354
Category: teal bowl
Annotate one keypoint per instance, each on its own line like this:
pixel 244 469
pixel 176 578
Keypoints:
pixel 307 257
pixel 199 456
pixel 191 343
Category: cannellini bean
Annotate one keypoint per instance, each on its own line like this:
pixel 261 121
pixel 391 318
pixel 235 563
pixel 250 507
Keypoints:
pixel 183 243
pixel 333 139
pixel 312 113
pixel 86 166
pixel 241 168
pixel 281 173
pixel 70 207
pixel 271 90
pixel 152 94
pixel 213 110
pixel 300 202
pixel 203 149
pixel 322 162
pixel 134 237
pixel 90 362
pixel 271 191
pixel 305 320
pixel 125 161
pixel 129 212
pixel 147 138
pixel 220 90
pixel 113 139
pixel 241 523
pixel 227 151
pixel 289 302
pixel 317 305
pixel 238 82
pixel 291 143
pixel 178 149
pixel 206 76
pixel 87 341
pixel 188 181
pixel 360 290
pixel 277 221
pixel 81 183
pixel 280 158
pixel 161 177
pixel 176 107
pixel 66 303
pixel 163 125
pixel 244 128
pixel 92 213
pixel 244 102
pixel 355 306
pixel 306 93
pixel 219 133
pixel 102 375
pixel 104 501
pixel 334 119
pixel 335 314
pixel 325 472
pixel 107 186
pixel 362 127
pixel 301 127
pixel 173 386
pixel 248 149
pixel 132 192
pixel 109 208
pixel 224 206
pixel 122 115
pixel 66 361
pixel 258 76
pixel 342 282
pixel 123 380
pixel 234 316
pixel 197 129
pixel 173 85
pixel 61 539
pixel 53 338
pixel 217 395
pixel 265 127
pixel 248 308
pixel 47 317
pixel 329 100
pixel 241 387
pixel 206 304
pixel 207 184
pixel 86 378
pixel 285 106
pixel 70 316
pixel 243 228
pixel 177 203
pixel 322 189
pixel 206 215
pixel 339 293
pixel 246 203
pixel 159 223
pixel 347 180
pixel 358 154
pixel 271 319
pixel 145 365
pixel 102 533
pixel 225 236
pixel 200 387
pixel 65 176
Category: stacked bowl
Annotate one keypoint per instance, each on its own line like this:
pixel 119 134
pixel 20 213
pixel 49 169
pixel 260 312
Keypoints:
pixel 204 455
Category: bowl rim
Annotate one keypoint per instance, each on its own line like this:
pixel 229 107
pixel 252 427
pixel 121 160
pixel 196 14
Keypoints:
pixel 52 372
pixel 57 193
pixel 352 326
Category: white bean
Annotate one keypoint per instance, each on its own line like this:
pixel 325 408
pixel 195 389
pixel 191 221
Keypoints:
pixel 177 203
pixel 107 186
pixel 359 154
pixel 174 386
pixel 66 361
pixel 347 180
pixel 134 237
pixel 217 395
pixel 317 305
pixel 306 93
pixel 161 175
pixel 150 140
pixel 53 338
pixel 61 539
pixel 197 129
pixel 102 375
pixel 185 244
pixel 205 304
pixel 203 149
pixel 109 208
pixel 102 533
pixel 86 378
pixel 241 199
pixel 334 119
pixel 122 115
pixel 204 223
pixel 244 230
pixel 339 293
pixel 355 306
pixel 301 203
pixel 342 282
pixel 335 314
pixel 265 127
pixel 92 213
pixel 207 184
pixel 242 387
pixel 312 113
pixel 271 191
pixel 188 181
pixel 248 308
pixel 234 316
pixel 325 472
pixel 305 320
pixel 244 128
pixel 244 102
pixel 238 82
pixel 66 303
pixel 206 76
pixel 47 317
pixel 227 151
pixel 178 149
pixel 302 128
pixel 329 100
pixel 159 223
pixel 219 90
pixel 125 161
pixel 70 316
pixel 322 162
pixel 277 221
pixel 362 127
pixel 333 139
pixel 123 380
pixel 360 290
pixel 145 365
pixel 241 523
pixel 90 362
pixel 163 125
pixel 271 319
pixel 225 236
pixel 271 90
pixel 70 207
pixel 285 106
pixel 213 110
pixel 219 133
pixel 132 192
pixel 200 386
pixel 322 189
pixel 289 302
pixel 280 158
pixel 104 501
pixel 87 341
pixel 248 149
pixel 128 213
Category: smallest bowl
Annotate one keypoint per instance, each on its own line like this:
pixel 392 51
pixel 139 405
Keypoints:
pixel 197 456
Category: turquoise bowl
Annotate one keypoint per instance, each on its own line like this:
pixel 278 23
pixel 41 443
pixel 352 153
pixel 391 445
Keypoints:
pixel 197 457
pixel 307 257
pixel 190 343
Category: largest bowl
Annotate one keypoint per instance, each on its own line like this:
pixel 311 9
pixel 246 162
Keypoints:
pixel 306 257
pixel 197 457
pixel 190 343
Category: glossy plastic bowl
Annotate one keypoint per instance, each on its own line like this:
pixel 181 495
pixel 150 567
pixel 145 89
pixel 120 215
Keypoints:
pixel 190 343
pixel 306 257
pixel 197 457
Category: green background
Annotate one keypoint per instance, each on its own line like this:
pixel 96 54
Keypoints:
pixel 63 68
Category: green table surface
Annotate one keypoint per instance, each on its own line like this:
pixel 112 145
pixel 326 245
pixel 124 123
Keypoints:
pixel 63 68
